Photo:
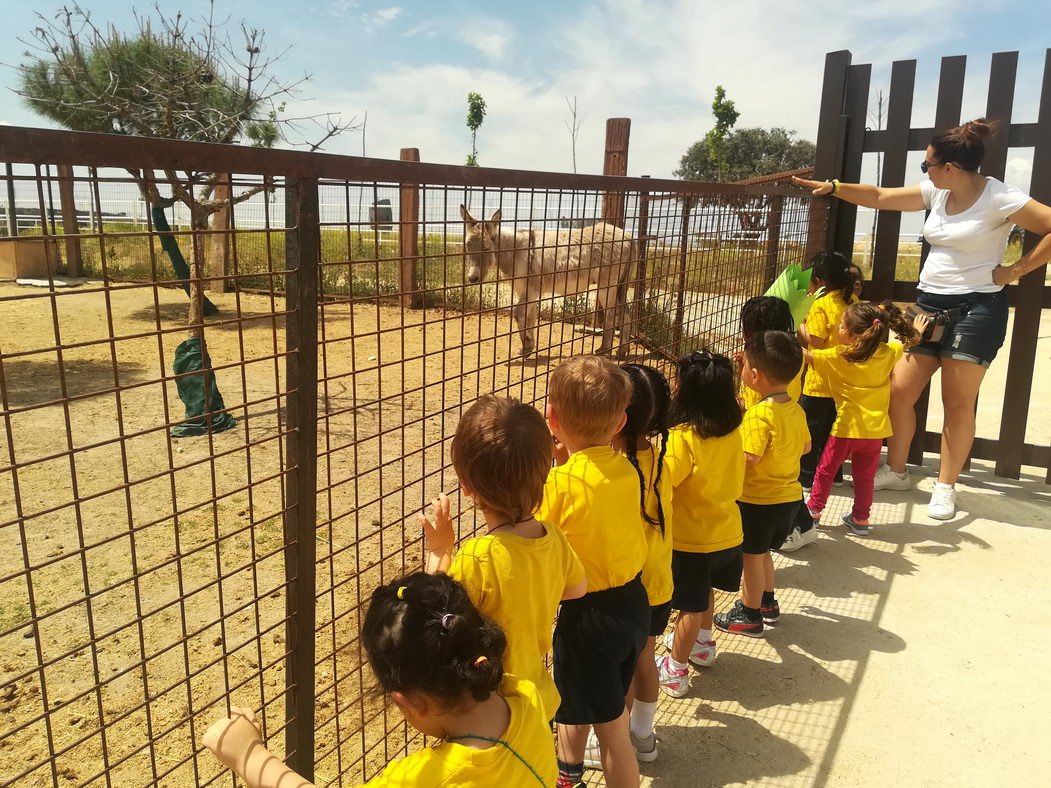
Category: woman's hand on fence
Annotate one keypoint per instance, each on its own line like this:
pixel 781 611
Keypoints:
pixel 817 188
pixel 232 738
pixel 439 537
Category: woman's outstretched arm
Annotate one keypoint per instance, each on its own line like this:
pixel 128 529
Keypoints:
pixel 902 198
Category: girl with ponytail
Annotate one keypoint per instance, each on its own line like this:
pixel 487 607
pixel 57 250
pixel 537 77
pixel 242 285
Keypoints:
pixel 647 420
pixel 442 664
pixel 858 370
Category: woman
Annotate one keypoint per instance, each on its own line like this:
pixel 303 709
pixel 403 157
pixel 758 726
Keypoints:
pixel 970 218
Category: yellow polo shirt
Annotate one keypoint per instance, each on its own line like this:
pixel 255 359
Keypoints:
pixel 708 476
pixel 594 499
pixel 776 432
pixel 822 322
pixel 454 765
pixel 656 572
pixel 518 582
pixel 861 390
pixel 795 387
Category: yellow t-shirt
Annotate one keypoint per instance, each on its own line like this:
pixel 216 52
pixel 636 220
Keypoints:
pixel 795 387
pixel 776 432
pixel 708 477
pixel 861 391
pixel 453 765
pixel 822 322
pixel 656 573
pixel 518 582
pixel 594 499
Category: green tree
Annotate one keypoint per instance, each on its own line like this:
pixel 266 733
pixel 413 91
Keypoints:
pixel 475 117
pixel 747 153
pixel 726 115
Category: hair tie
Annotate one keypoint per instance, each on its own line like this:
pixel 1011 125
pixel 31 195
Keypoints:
pixel 480 661
pixel 446 620
pixel 401 592
pixel 875 322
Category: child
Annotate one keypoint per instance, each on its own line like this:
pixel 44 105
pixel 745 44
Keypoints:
pixel 519 571
pixel 594 498
pixel 441 662
pixel 859 371
pixel 831 270
pixel 766 313
pixel 859 281
pixel 647 417
pixel 706 467
pixel 774 435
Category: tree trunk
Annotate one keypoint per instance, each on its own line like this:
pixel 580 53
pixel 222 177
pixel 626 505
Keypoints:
pixel 195 315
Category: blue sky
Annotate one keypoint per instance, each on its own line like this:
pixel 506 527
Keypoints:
pixel 411 63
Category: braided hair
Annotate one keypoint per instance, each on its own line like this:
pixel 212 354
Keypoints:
pixel 659 426
pixel 432 615
pixel 647 417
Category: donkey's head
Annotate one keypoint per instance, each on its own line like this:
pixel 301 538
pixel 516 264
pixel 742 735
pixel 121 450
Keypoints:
pixel 479 244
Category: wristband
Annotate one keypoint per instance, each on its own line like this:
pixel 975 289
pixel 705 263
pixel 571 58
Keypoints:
pixel 835 187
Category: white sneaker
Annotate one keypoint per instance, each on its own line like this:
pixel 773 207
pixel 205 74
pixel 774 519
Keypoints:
pixel 702 654
pixel 674 682
pixel 645 749
pixel 592 752
pixel 943 502
pixel 887 479
pixel 798 539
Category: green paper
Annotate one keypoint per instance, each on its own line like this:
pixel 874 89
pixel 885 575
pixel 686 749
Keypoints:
pixel 791 287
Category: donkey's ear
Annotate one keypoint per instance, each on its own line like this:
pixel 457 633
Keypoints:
pixel 467 215
pixel 495 218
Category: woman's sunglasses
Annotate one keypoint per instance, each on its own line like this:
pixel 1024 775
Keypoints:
pixel 926 165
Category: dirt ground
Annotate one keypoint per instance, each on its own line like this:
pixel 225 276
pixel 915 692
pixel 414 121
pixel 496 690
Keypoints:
pixel 905 657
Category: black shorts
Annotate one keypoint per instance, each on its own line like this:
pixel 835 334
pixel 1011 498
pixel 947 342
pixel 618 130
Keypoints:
pixel 977 336
pixel 766 526
pixel 597 641
pixel 659 615
pixel 696 574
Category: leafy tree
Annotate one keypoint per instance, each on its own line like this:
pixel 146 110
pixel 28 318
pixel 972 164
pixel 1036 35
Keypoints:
pixel 747 153
pixel 726 116
pixel 475 117
pixel 165 80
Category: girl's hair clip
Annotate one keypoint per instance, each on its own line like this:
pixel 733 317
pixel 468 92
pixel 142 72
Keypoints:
pixel 401 592
pixel 481 661
pixel 447 620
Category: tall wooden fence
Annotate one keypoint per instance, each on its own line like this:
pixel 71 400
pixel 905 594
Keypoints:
pixel 842 141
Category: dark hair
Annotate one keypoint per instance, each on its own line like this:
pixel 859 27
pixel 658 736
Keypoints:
pixel 870 325
pixel 502 452
pixel 422 634
pixel 833 269
pixel 765 313
pixel 964 145
pixel 647 416
pixel 705 397
pixel 776 354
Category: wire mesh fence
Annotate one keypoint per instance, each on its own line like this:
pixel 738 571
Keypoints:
pixel 196 503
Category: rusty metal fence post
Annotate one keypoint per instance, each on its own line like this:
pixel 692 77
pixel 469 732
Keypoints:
pixel 773 240
pixel 302 256
pixel 684 255
pixel 408 236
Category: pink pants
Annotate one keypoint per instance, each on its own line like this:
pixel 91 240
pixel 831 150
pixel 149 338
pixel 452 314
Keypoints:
pixel 864 455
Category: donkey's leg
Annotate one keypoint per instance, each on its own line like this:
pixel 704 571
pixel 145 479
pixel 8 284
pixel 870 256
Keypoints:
pixel 606 301
pixel 526 313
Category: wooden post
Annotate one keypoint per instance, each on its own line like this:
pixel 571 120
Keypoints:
pixel 773 240
pixel 219 243
pixel 855 106
pixel 408 236
pixel 69 219
pixel 618 130
pixel 828 160
pixel 11 212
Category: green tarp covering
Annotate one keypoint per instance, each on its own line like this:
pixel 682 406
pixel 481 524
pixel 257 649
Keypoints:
pixel 188 358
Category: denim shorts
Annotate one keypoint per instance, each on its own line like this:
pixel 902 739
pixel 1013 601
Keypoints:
pixel 977 336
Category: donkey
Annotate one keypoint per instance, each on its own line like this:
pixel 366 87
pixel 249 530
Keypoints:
pixel 558 262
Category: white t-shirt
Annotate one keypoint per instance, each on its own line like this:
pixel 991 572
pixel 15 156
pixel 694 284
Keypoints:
pixel 967 246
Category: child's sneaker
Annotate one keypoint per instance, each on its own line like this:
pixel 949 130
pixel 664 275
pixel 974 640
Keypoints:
pixel 737 622
pixel 770 614
pixel 645 749
pixel 857 527
pixel 592 752
pixel 674 682
pixel 702 654
pixel 798 539
pixel 815 514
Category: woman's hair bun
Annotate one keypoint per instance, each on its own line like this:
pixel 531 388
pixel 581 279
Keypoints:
pixel 978 129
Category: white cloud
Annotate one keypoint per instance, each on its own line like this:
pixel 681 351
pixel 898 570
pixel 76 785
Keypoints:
pixel 655 61
pixel 490 37
pixel 385 15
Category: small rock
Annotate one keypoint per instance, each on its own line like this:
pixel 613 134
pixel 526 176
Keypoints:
pixel 56 552
pixel 76 719
pixel 114 669
pixel 372 358
pixel 27 634
pixel 242 513
pixel 218 641
pixel 278 638
pixel 275 595
pixel 7 692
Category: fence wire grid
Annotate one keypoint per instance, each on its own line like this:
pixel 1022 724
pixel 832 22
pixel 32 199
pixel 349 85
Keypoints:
pixel 148 582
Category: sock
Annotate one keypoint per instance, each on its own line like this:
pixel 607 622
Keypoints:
pixel 942 484
pixel 641 721
pixel 676 665
pixel 768 599
pixel 704 636
pixel 903 474
pixel 569 774
pixel 751 613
